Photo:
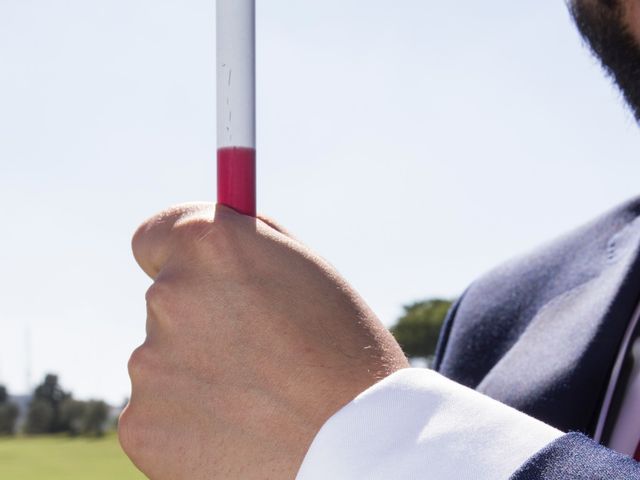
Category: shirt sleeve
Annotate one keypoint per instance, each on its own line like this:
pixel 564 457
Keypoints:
pixel 416 424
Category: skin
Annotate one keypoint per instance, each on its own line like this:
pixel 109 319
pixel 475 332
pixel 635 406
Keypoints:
pixel 253 342
pixel 632 18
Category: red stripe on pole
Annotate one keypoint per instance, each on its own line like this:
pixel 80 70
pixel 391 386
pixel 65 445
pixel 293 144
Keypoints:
pixel 237 179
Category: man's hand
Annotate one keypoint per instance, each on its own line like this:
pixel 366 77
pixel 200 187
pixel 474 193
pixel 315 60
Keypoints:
pixel 253 342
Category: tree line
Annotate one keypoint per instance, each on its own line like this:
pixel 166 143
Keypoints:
pixel 418 329
pixel 54 411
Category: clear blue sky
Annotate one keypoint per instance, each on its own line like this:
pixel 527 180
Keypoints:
pixel 414 144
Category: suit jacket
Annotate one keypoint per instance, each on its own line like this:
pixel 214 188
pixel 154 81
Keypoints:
pixel 576 457
pixel 542 332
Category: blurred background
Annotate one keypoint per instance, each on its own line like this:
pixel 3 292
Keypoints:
pixel 414 144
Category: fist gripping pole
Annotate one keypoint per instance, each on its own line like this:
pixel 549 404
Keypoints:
pixel 236 104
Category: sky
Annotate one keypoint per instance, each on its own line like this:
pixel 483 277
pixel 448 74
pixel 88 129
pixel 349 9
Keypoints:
pixel 415 144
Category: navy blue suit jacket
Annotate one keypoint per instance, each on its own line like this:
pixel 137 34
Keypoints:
pixel 576 457
pixel 542 332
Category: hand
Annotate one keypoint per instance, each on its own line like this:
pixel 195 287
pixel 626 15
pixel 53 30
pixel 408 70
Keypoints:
pixel 253 342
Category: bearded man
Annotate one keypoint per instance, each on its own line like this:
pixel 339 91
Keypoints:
pixel 261 362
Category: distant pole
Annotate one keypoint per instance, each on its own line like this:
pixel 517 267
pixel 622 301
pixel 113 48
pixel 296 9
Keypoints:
pixel 27 350
pixel 236 104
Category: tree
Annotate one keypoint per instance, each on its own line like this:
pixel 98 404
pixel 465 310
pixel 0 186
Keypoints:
pixel 40 417
pixel 44 410
pixel 95 418
pixel 52 410
pixel 8 413
pixel 72 413
pixel 417 331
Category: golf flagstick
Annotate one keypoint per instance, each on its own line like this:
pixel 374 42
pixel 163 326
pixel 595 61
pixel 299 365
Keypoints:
pixel 236 104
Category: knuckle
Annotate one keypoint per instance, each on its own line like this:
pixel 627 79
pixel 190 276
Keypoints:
pixel 138 437
pixel 140 233
pixel 160 296
pixel 131 432
pixel 154 239
pixel 140 363
pixel 139 244
pixel 124 428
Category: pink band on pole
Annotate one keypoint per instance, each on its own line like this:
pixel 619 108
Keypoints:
pixel 237 179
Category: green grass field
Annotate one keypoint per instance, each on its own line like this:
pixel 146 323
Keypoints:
pixel 62 458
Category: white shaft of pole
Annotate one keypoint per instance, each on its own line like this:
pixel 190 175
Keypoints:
pixel 236 71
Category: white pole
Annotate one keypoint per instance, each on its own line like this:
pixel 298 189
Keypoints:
pixel 236 104
pixel 236 73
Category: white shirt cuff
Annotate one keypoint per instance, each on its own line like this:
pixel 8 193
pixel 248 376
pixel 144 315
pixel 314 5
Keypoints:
pixel 416 424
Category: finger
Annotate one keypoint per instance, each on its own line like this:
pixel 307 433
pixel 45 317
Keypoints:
pixel 152 243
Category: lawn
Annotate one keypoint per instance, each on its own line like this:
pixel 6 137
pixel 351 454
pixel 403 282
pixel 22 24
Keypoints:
pixel 63 458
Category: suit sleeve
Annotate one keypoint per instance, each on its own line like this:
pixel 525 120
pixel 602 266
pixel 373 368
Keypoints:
pixel 576 457
pixel 417 424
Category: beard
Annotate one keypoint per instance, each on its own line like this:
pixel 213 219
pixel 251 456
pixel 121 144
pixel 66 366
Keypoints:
pixel 602 25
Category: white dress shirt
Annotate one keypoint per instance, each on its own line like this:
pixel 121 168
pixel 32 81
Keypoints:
pixel 626 433
pixel 416 424
pixel 625 437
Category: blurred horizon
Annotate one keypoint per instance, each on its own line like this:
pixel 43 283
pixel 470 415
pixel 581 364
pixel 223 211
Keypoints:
pixel 414 145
